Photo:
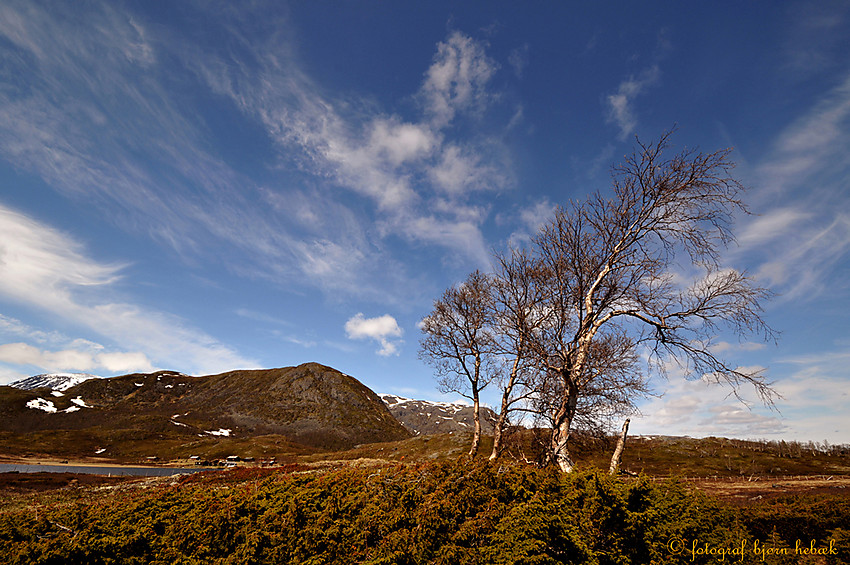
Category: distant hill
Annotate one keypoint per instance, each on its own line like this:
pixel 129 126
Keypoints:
pixel 311 405
pixel 53 381
pixel 422 417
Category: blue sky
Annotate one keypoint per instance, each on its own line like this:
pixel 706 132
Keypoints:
pixel 208 186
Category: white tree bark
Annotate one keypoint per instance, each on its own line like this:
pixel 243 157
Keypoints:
pixel 476 434
pixel 618 451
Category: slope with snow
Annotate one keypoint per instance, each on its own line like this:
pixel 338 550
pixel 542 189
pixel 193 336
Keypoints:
pixel 54 381
pixel 423 417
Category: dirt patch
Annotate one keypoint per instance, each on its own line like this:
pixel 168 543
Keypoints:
pixel 748 491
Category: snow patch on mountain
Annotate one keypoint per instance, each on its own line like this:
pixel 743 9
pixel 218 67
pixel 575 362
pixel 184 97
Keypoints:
pixel 49 407
pixel 42 404
pixel 57 382
pixel 393 400
pixel 426 417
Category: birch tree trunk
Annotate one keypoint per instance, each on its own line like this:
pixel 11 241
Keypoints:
pixel 561 429
pixel 500 426
pixel 560 452
pixel 476 433
pixel 618 451
pixel 503 412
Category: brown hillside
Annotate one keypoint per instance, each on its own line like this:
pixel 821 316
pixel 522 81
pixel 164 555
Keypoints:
pixel 311 404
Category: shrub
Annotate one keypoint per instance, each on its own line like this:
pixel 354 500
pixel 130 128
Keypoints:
pixel 441 513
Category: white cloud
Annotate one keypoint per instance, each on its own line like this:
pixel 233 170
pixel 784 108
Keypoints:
pixel 531 219
pixel 767 227
pixel 798 248
pixel 73 360
pixel 536 215
pixel 298 341
pixel 31 255
pixel 61 353
pixel 95 127
pixel 725 346
pixel 803 270
pixel 397 164
pixel 620 109
pixel 464 236
pixel 12 327
pixel 460 170
pixel 811 403
pixel 814 146
pixel 398 143
pixel 124 362
pixel 381 329
pixel 740 420
pixel 23 354
pixel 43 268
pixel 702 408
pixel 457 78
pixel 323 259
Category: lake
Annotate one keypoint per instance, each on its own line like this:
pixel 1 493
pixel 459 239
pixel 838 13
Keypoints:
pixel 104 470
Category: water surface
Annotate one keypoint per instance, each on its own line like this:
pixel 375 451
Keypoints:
pixel 98 470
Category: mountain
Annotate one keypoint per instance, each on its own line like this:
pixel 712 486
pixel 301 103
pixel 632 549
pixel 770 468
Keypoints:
pixel 422 417
pixel 54 381
pixel 311 405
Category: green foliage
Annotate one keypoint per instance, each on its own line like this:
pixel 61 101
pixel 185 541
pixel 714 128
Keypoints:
pixel 442 513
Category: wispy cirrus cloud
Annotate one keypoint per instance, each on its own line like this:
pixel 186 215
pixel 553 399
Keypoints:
pixel 44 269
pixel 813 147
pixel 100 119
pixel 815 36
pixel 620 105
pixel 800 245
pixel 407 168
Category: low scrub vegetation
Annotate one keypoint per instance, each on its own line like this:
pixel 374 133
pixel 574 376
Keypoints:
pixel 452 512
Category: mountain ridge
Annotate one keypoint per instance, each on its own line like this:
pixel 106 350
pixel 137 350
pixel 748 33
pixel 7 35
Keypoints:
pixel 54 381
pixel 423 417
pixel 312 405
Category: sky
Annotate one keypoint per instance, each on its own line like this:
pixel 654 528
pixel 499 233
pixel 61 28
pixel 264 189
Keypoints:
pixel 207 186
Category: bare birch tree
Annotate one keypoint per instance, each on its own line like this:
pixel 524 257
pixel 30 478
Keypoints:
pixel 516 303
pixel 606 269
pixel 458 342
